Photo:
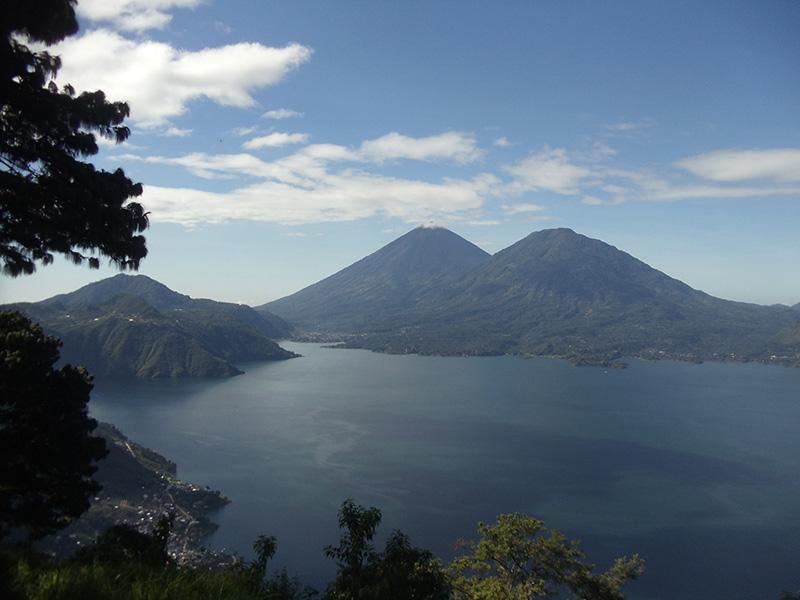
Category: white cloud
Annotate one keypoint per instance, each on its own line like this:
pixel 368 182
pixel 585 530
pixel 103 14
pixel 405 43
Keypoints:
pixel 223 27
pixel 212 166
pixel 550 170
pixel 330 182
pixel 669 193
pixel 314 184
pixel 590 200
pixel 176 132
pixel 630 126
pixel 502 142
pixel 621 186
pixel 275 140
pixel 158 81
pixel 455 146
pixel 778 164
pixel 133 15
pixel 337 197
pixel 601 152
pixel 521 207
pixel 242 131
pixel 281 113
pixel 111 144
pixel 554 170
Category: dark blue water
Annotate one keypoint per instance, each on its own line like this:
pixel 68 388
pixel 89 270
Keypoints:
pixel 695 467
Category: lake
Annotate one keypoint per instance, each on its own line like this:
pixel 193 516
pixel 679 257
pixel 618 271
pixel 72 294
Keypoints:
pixel 695 467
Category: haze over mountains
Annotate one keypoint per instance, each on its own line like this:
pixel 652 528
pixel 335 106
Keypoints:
pixel 135 326
pixel 554 293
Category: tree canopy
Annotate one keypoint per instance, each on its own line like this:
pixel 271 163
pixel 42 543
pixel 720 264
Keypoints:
pixel 517 558
pixel 45 432
pixel 51 201
pixel 399 572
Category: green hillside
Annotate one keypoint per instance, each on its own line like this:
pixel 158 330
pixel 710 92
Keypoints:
pixel 133 326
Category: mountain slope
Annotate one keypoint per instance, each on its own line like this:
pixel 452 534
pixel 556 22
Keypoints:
pixel 156 294
pixel 123 335
pixel 381 287
pixel 554 293
pixel 558 292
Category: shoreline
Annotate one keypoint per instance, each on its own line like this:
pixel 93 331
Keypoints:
pixel 139 486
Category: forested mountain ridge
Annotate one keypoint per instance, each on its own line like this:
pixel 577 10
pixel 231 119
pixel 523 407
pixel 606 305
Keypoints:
pixel 156 294
pixel 134 326
pixel 559 293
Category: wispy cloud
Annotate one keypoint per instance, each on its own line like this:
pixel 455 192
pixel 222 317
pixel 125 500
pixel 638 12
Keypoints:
pixel 547 170
pixel 159 81
pixel 133 15
pixel 223 27
pixel 778 164
pixel 630 126
pixel 176 132
pixel 243 131
pixel 522 207
pixel 455 146
pixel 502 142
pixel 337 197
pixel 595 181
pixel 281 113
pixel 330 182
pixel 484 222
pixel 110 144
pixel 600 152
pixel 275 140
pixel 315 184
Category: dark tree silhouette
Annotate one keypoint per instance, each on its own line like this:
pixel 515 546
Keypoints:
pixel 355 554
pixel 50 200
pixel 46 444
pixel 400 572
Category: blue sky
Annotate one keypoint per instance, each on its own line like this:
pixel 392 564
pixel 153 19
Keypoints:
pixel 281 141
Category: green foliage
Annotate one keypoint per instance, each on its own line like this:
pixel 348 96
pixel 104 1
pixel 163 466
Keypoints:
pixel 50 200
pixel 404 572
pixel 400 572
pixel 515 559
pixel 45 432
pixel 264 547
pixel 126 564
pixel 280 586
pixel 355 553
pixel 133 582
pixel 518 559
pixel 123 544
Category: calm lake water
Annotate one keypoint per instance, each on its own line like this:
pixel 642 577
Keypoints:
pixel 695 467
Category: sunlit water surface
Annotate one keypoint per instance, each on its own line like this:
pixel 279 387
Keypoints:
pixel 695 467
